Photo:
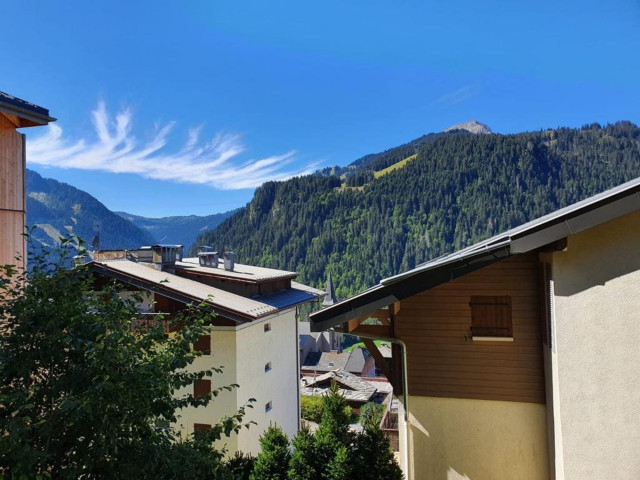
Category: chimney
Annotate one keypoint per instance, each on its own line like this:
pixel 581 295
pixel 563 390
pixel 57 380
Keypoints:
pixel 207 257
pixel 164 256
pixel 229 261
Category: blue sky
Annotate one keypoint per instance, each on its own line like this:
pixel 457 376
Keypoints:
pixel 176 108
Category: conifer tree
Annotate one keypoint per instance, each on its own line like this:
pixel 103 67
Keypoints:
pixel 274 458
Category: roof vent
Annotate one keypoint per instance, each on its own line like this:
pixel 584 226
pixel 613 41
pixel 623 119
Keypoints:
pixel 208 259
pixel 229 261
pixel 166 255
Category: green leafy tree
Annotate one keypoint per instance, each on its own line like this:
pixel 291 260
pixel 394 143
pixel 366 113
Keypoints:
pixel 84 384
pixel 274 458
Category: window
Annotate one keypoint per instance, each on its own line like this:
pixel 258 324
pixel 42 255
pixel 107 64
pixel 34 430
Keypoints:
pixel 268 407
pixel 267 327
pixel 201 427
pixel 203 345
pixel 491 317
pixel 201 388
pixel 267 367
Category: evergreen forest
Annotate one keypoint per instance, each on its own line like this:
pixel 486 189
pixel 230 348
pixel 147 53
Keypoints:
pixel 450 190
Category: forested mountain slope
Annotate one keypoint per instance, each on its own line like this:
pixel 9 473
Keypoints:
pixel 458 189
pixel 58 209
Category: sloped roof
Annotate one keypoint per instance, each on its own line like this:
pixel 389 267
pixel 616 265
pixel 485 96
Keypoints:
pixel 350 386
pixel 545 230
pixel 235 307
pixel 23 113
pixel 357 360
pixel 352 361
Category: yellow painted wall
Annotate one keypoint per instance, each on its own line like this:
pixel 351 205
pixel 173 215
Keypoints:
pixel 597 326
pixel 455 439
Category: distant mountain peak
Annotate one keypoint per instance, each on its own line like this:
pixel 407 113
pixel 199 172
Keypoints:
pixel 473 126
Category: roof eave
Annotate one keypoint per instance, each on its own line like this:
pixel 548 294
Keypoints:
pixel 168 292
pixel 26 118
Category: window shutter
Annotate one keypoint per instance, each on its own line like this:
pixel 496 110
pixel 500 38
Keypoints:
pixel 491 316
pixel 201 388
pixel 203 345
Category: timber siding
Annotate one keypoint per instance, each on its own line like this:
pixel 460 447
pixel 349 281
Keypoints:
pixel 12 191
pixel 441 362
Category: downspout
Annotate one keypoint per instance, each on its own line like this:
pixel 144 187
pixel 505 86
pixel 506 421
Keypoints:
pixel 297 345
pixel 405 395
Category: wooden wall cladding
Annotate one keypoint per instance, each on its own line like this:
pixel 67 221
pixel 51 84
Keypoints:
pixel 442 358
pixel 11 167
pixel 12 191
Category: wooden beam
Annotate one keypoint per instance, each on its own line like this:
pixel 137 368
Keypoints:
pixel 377 356
pixel 383 331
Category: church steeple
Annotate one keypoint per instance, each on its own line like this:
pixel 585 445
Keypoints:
pixel 330 297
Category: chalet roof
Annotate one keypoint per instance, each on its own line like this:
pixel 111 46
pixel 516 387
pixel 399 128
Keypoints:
pixel 230 305
pixel 23 113
pixel 357 360
pixel 543 231
pixel 352 361
pixel 350 386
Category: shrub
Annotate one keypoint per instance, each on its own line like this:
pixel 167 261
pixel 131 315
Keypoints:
pixel 371 413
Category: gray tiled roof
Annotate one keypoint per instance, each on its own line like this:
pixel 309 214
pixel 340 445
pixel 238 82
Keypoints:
pixel 350 386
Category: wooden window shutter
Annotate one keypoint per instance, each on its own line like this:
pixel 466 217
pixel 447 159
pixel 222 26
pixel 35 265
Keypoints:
pixel 201 427
pixel 203 345
pixel 201 388
pixel 491 316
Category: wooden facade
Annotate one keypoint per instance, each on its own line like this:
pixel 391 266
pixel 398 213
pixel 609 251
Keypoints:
pixel 443 359
pixel 12 193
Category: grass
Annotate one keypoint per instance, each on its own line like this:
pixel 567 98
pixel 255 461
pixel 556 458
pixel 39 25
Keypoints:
pixel 393 167
pixel 361 345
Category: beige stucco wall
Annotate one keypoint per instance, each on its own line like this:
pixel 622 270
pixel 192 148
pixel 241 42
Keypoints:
pixel 243 352
pixel 597 310
pixel 255 348
pixel 476 439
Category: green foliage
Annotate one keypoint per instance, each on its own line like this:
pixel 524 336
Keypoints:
pixel 333 453
pixel 373 454
pixel 82 384
pixel 240 465
pixel 304 463
pixel 459 189
pixel 274 458
pixel 311 408
pixel 371 413
pixel 361 345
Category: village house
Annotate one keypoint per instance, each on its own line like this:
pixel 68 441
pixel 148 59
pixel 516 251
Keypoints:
pixel 254 335
pixel 517 357
pixel 15 113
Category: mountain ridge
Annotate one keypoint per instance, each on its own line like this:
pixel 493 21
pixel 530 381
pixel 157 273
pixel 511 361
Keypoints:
pixel 458 189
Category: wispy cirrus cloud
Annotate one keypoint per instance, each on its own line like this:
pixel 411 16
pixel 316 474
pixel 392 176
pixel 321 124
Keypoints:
pixel 457 96
pixel 116 149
